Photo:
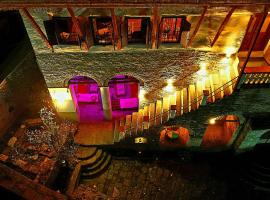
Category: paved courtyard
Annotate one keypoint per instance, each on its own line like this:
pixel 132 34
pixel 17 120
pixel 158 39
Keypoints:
pixel 158 180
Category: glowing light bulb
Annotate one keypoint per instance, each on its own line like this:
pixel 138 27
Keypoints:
pixel 169 87
pixel 212 121
pixel 229 51
pixel 225 60
pixel 61 97
pixel 202 71
pixel 142 94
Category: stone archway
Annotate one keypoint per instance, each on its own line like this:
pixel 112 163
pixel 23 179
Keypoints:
pixel 124 95
pixel 86 97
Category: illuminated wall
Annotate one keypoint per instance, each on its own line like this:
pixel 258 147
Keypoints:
pixel 62 99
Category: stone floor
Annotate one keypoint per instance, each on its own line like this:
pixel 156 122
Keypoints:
pixel 93 133
pixel 159 180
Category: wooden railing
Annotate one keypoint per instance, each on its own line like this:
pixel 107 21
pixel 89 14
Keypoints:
pixel 170 114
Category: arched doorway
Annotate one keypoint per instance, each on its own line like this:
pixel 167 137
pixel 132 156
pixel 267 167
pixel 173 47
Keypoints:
pixel 124 94
pixel 86 97
pixel 220 131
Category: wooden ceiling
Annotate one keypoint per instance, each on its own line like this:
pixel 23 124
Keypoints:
pixel 127 3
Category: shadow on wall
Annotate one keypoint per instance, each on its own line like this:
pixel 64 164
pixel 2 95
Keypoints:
pixel 23 91
pixel 12 32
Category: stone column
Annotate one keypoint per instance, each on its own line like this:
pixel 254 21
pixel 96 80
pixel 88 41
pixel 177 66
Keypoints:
pixel 106 102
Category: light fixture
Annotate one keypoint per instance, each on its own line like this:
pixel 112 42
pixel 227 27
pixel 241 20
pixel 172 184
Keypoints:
pixel 212 121
pixel 60 96
pixel 229 51
pixel 169 88
pixel 142 94
pixel 202 71
pixel 225 60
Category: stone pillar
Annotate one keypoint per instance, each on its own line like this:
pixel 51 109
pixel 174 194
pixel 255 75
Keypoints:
pixel 106 102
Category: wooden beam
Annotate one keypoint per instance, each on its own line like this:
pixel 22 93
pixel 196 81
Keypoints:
pixel 253 42
pixel 115 30
pixel 250 22
pixel 24 187
pixel 197 27
pixel 75 22
pixel 261 69
pixel 124 40
pixel 222 26
pixel 37 28
pixel 18 4
pixel 154 27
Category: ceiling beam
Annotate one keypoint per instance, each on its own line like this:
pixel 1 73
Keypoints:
pixel 197 27
pixel 131 3
pixel 37 28
pixel 222 26
pixel 115 30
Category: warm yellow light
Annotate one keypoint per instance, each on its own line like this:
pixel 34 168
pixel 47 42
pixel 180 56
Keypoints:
pixel 170 81
pixel 169 88
pixel 202 71
pixel 225 60
pixel 229 51
pixel 142 94
pixel 60 95
pixel 212 121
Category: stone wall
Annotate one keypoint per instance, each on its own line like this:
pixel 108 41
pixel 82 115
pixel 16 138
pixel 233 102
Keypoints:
pixel 153 67
pixel 23 92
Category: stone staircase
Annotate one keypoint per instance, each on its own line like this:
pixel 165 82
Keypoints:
pixel 212 88
pixel 92 163
pixel 255 171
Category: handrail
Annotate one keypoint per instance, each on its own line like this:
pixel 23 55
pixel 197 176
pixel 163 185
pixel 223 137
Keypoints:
pixel 252 45
pixel 196 100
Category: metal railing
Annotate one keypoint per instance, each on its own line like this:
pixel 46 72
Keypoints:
pixel 256 78
pixel 131 130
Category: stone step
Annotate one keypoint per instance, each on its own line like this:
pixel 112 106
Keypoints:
pixel 257 181
pixel 97 170
pixel 84 152
pixel 261 174
pixel 183 101
pixel 101 159
pixel 91 161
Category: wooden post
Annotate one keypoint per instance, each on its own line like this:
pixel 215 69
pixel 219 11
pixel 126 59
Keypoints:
pixel 75 22
pixel 115 30
pixel 222 26
pixel 77 26
pixel 154 27
pixel 124 40
pixel 37 28
pixel 197 27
